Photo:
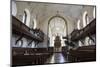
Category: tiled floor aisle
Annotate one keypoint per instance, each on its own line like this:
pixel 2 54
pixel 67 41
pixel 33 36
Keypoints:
pixel 57 58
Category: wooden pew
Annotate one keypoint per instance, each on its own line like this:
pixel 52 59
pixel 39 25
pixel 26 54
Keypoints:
pixel 51 49
pixel 81 54
pixel 38 58
pixel 29 56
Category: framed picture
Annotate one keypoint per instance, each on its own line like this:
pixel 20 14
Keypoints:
pixel 52 33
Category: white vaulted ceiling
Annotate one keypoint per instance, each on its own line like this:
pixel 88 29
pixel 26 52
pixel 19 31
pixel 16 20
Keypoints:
pixel 45 10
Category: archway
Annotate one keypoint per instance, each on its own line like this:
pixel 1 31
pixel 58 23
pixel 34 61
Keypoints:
pixel 78 24
pixel 85 19
pixel 26 17
pixel 57 26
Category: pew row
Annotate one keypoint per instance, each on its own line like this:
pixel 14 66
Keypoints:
pixel 81 54
pixel 29 56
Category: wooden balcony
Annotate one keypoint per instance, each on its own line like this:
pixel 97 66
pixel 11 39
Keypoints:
pixel 90 29
pixel 21 29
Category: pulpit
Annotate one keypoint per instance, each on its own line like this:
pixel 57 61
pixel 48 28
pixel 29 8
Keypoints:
pixel 57 44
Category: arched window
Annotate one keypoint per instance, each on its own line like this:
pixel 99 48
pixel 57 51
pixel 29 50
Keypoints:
pixel 86 41
pixel 85 19
pixel 14 8
pixel 26 17
pixel 33 45
pixel 20 43
pixel 34 23
pixel 80 43
pixel 94 12
pixel 78 24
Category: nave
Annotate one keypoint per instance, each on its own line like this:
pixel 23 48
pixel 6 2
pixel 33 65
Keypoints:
pixel 37 56
pixel 48 33
pixel 57 58
pixel 42 56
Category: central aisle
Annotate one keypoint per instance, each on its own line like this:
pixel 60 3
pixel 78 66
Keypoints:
pixel 57 58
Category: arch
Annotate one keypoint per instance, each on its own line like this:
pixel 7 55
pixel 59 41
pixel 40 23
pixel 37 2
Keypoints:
pixel 86 41
pixel 34 23
pixel 78 24
pixel 20 43
pixel 14 8
pixel 94 12
pixel 26 17
pixel 33 45
pixel 85 19
pixel 49 24
pixel 80 43
pixel 61 18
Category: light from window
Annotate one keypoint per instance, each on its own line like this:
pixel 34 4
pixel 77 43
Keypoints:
pixel 94 12
pixel 85 19
pixel 78 24
pixel 24 17
pixel 34 23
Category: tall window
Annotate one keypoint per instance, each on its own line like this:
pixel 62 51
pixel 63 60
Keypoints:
pixel 78 24
pixel 94 12
pixel 34 23
pixel 85 19
pixel 24 17
pixel 20 43
pixel 86 41
pixel 14 8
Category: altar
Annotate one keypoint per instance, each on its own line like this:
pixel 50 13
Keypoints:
pixel 57 44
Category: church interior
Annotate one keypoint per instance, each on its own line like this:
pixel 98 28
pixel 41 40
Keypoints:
pixel 52 33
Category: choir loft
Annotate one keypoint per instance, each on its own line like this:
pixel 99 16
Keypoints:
pixel 49 33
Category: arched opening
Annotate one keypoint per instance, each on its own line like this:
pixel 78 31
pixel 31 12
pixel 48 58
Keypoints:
pixel 20 43
pixel 80 43
pixel 78 24
pixel 57 27
pixel 34 23
pixel 14 8
pixel 26 17
pixel 94 12
pixel 85 19
pixel 86 41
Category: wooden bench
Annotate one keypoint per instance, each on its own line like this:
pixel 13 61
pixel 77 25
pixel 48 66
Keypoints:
pixel 29 56
pixel 81 54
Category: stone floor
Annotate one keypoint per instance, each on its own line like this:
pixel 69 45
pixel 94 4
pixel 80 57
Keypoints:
pixel 57 58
